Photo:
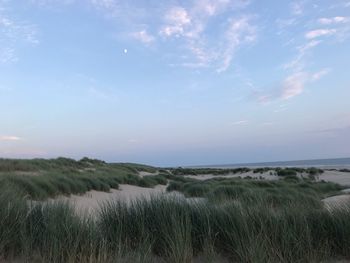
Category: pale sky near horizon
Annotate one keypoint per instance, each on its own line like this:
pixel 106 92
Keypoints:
pixel 175 82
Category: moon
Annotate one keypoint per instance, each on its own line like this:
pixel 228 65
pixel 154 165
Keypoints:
pixel 125 51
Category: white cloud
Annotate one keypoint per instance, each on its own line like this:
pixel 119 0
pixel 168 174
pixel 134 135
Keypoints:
pixel 190 24
pixel 9 138
pixel 240 31
pixel 318 75
pixel 298 63
pixel 294 84
pixel 334 20
pixel 177 19
pixel 210 8
pixel 187 24
pixel 309 45
pixel 143 36
pixel 319 33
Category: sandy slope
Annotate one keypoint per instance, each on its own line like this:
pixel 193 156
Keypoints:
pixel 91 200
pixel 337 202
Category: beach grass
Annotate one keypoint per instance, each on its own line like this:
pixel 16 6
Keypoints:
pixel 39 178
pixel 172 230
pixel 235 220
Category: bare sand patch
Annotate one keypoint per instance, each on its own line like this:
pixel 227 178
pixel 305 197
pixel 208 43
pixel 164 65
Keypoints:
pixel 337 202
pixel 341 178
pixel 90 201
pixel 265 175
pixel 143 173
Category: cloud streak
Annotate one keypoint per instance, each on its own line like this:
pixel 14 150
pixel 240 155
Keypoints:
pixel 320 33
pixel 189 25
pixel 334 20
pixel 295 83
pixel 9 138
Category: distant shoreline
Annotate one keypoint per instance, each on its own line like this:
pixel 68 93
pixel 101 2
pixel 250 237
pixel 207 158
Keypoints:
pixel 338 163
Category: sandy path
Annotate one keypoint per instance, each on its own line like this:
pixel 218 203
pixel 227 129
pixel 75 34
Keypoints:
pixel 91 200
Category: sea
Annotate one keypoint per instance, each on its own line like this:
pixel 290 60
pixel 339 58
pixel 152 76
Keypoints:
pixel 339 163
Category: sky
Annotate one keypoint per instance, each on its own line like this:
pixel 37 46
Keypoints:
pixel 173 83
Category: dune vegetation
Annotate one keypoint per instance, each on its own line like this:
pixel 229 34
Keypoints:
pixel 39 178
pixel 224 219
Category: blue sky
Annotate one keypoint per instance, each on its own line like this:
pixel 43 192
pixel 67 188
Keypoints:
pixel 175 82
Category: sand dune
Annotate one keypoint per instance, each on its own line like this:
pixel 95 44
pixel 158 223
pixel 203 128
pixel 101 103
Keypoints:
pixel 337 202
pixel 91 200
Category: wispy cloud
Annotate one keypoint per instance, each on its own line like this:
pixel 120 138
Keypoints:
pixel 177 19
pixel 239 32
pixel 295 84
pixel 299 62
pixel 320 33
pixel 334 20
pixel 9 138
pixel 14 33
pixel 190 25
pixel 318 75
pixel 143 36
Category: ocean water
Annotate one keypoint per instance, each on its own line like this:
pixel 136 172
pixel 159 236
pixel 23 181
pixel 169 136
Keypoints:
pixel 326 163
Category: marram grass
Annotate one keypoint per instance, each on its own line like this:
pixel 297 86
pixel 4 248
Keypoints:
pixel 170 229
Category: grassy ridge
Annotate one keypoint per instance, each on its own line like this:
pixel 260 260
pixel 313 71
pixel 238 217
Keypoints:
pixel 40 178
pixel 288 189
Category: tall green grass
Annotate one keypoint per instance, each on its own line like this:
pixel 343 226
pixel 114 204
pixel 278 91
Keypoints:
pixel 239 220
pixel 172 230
pixel 48 178
pixel 290 189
